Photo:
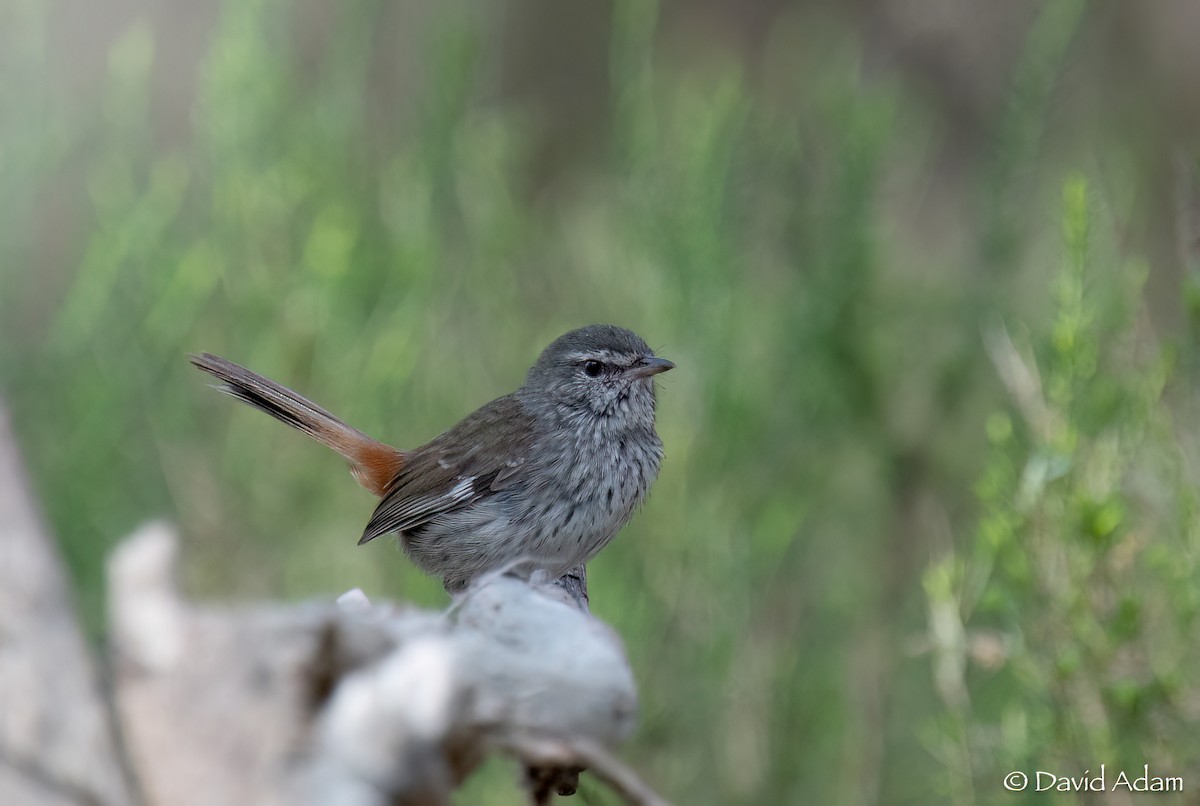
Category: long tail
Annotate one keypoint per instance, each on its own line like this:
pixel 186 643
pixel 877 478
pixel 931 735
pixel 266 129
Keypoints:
pixel 374 464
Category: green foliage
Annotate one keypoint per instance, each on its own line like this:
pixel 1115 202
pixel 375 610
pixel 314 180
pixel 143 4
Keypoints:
pixel 833 423
pixel 1060 635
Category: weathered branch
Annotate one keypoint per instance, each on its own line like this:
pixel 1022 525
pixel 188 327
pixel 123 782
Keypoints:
pixel 358 703
pixel 56 737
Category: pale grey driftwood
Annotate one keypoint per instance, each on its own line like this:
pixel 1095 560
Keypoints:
pixel 354 703
pixel 56 739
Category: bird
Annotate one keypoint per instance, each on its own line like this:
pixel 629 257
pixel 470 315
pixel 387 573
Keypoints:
pixel 536 481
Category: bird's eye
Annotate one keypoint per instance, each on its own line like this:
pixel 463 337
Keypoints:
pixel 592 368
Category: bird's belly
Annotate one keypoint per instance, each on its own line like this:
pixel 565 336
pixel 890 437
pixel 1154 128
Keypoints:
pixel 569 523
pixel 550 527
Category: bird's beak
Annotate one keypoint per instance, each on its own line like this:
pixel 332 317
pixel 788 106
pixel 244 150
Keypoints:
pixel 650 365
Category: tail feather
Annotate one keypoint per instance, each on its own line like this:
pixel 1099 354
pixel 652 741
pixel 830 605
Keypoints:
pixel 374 464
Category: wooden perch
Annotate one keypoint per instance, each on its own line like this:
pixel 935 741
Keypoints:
pixel 57 743
pixel 354 703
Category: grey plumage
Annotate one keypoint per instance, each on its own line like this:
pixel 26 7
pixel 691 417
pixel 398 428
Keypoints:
pixel 540 479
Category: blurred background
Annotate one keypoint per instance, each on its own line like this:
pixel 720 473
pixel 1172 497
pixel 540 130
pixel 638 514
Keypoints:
pixel 927 269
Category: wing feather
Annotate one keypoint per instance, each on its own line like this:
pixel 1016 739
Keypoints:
pixel 483 454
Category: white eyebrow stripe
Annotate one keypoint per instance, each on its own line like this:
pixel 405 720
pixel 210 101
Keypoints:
pixel 597 355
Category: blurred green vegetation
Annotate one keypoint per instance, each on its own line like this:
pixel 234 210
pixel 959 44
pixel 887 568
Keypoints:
pixel 928 512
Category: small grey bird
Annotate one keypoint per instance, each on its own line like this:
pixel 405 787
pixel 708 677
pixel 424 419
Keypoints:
pixel 540 479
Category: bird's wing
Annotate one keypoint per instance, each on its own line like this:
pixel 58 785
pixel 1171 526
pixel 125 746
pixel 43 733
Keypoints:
pixel 481 455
